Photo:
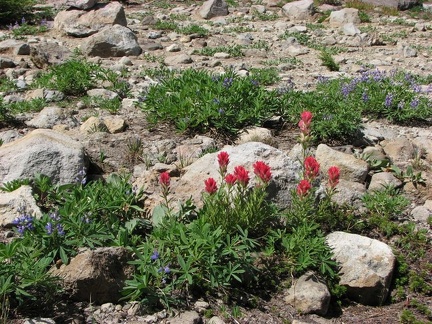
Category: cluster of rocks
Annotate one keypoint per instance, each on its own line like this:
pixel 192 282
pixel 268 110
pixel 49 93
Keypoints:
pixel 56 143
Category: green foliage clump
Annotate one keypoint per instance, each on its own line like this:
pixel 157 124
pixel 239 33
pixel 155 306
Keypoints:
pixel 328 61
pixel 233 51
pixel 198 101
pixel 395 96
pixel 13 10
pixel 10 110
pixel 25 284
pixel 183 259
pixel 76 76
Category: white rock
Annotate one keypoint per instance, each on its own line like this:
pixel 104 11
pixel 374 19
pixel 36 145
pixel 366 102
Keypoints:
pixel 309 295
pixel 299 10
pixel 367 266
pixel 11 202
pixel 351 168
pixel 344 16
pixel 43 151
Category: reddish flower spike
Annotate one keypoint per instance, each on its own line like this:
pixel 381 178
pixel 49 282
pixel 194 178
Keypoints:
pixel 164 179
pixel 306 117
pixel 262 171
pixel 210 186
pixel 242 175
pixel 230 179
pixel 311 168
pixel 223 160
pixel 303 188
pixel 334 175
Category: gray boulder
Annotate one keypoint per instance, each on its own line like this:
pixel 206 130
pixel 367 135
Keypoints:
pixel 80 23
pixel 81 4
pixel 400 150
pixel 367 266
pixel 351 168
pixel 309 295
pixel 45 54
pixel 12 202
pixel 42 151
pixel 112 41
pixel 96 276
pixel 299 10
pixel 213 8
pixel 400 4
pixel 344 16
pixel 47 118
pixel 13 46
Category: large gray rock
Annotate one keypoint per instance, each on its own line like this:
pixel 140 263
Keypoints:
pixel 299 10
pixel 309 295
pixel 112 41
pixel 96 276
pixel 285 171
pixel 400 4
pixel 400 150
pixel 349 193
pixel 6 63
pixel 351 168
pixel 13 46
pixel 12 202
pixel 81 4
pixel 213 8
pixel 47 118
pixel 42 151
pixel 382 180
pixel 45 54
pixel 367 266
pixel 344 16
pixel 82 23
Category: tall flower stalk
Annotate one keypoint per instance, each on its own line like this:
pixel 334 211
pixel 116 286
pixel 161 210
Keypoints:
pixel 165 182
pixel 234 203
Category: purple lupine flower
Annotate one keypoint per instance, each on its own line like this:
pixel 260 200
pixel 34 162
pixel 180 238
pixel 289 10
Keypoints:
pixel 322 79
pixel 227 82
pixel 388 100
pixel 81 176
pixel 416 88
pixel 401 105
pixel 60 229
pixel 155 255
pixel 49 228
pixel 345 90
pixel 55 216
pixel 365 96
pixel 415 102
pixel 23 223
pixel 167 269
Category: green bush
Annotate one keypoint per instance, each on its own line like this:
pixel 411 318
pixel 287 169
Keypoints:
pixel 198 101
pixel 76 76
pixel 179 259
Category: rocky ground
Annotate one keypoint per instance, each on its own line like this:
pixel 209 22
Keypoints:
pixel 386 42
